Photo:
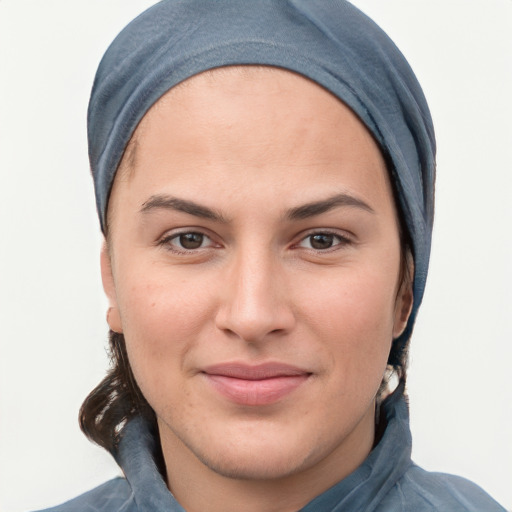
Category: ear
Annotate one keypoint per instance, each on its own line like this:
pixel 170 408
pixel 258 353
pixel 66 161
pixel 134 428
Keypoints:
pixel 404 299
pixel 107 278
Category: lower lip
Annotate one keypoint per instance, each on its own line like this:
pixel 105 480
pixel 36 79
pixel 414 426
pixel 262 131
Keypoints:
pixel 256 392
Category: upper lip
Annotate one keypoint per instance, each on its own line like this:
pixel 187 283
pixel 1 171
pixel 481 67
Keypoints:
pixel 262 371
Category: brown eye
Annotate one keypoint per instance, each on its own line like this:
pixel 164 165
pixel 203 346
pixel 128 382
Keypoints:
pixel 321 241
pixel 187 242
pixel 191 240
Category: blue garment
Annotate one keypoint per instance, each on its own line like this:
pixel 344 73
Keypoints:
pixel 387 481
pixel 329 41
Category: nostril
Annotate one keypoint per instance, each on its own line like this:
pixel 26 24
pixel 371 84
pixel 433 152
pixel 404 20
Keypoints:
pixel 254 330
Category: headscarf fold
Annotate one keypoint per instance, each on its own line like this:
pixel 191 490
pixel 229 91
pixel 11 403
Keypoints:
pixel 328 41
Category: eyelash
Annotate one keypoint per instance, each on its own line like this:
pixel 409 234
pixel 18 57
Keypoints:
pixel 342 240
pixel 167 242
pixel 338 241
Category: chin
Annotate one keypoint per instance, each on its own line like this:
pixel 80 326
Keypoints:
pixel 267 465
pixel 264 455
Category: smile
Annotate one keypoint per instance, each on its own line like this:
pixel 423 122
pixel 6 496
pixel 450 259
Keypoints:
pixel 255 385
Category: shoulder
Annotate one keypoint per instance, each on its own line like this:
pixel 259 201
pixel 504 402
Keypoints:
pixel 112 496
pixel 420 490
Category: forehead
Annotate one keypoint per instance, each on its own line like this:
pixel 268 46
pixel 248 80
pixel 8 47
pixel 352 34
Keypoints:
pixel 240 99
pixel 240 139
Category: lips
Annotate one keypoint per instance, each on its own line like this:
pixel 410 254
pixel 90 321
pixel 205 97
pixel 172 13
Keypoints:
pixel 255 385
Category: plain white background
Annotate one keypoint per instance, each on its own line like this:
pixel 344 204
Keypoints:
pixel 52 327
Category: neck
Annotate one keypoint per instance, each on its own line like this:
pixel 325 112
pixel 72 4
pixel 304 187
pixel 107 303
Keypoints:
pixel 199 488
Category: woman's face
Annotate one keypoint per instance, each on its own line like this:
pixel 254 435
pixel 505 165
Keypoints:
pixel 254 271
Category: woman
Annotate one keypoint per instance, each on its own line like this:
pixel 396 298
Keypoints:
pixel 264 179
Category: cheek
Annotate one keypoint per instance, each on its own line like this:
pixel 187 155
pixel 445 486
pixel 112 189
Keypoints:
pixel 162 317
pixel 354 314
pixel 362 300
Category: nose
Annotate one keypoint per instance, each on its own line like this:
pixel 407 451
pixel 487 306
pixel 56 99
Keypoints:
pixel 255 304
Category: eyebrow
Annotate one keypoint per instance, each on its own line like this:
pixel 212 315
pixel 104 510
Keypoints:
pixel 164 202
pixel 318 207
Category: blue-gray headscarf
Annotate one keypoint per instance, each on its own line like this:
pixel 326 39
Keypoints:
pixel 329 41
